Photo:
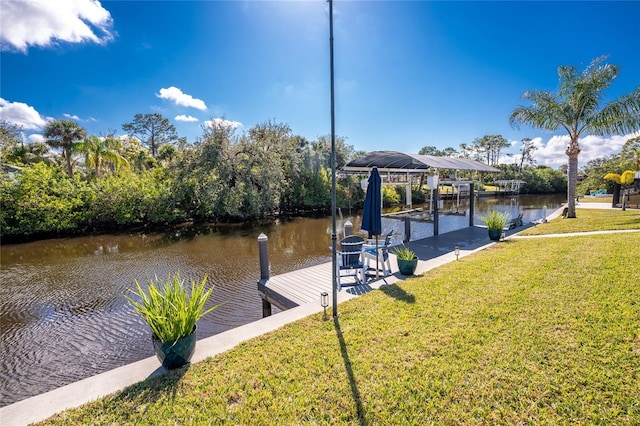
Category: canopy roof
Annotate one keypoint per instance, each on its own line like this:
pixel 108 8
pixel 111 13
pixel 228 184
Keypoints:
pixel 398 162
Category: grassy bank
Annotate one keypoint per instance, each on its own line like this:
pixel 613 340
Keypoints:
pixel 535 331
pixel 589 220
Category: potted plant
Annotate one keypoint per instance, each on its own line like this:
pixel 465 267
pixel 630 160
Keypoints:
pixel 172 313
pixel 495 222
pixel 407 259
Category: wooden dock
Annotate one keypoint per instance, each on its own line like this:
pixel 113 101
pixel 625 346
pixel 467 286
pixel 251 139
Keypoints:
pixel 295 288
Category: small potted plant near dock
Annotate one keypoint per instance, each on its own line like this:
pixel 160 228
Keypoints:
pixel 407 260
pixel 172 313
pixel 495 222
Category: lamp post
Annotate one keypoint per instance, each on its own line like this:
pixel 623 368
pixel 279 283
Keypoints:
pixel 457 251
pixel 324 302
pixel 334 237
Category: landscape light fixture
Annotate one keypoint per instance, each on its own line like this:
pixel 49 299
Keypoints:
pixel 324 301
pixel 502 236
pixel 457 251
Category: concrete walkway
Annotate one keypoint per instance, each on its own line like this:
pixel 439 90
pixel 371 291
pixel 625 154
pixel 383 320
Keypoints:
pixel 432 252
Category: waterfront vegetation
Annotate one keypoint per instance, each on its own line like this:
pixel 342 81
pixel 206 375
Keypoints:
pixel 78 184
pixel 527 331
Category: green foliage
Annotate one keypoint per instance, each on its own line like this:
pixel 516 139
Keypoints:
pixel 43 200
pixel 404 253
pixel 64 134
pixel 539 180
pixel 169 309
pixel 130 199
pixel 495 220
pixel 390 195
pixel 153 130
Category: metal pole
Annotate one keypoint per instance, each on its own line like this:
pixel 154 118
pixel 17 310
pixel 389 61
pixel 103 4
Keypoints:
pixel 333 173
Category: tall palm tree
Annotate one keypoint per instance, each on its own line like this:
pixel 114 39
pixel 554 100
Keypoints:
pixel 577 109
pixel 102 151
pixel 64 134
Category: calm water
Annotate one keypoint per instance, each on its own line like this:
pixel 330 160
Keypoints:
pixel 63 316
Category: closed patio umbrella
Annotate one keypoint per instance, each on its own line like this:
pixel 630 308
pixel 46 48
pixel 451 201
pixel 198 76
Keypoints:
pixel 372 210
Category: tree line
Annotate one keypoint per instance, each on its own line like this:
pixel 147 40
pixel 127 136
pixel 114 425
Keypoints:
pixel 153 177
pixel 75 183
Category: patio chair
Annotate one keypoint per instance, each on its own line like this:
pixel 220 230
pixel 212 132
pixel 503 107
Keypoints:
pixel 383 255
pixel 350 262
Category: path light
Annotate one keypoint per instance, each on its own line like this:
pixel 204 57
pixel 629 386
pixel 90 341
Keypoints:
pixel 502 236
pixel 457 251
pixel 324 301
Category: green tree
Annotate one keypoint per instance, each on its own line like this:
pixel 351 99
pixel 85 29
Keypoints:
pixel 526 152
pixel 631 152
pixel 152 130
pixel 490 147
pixel 577 109
pixel 64 134
pixel 100 152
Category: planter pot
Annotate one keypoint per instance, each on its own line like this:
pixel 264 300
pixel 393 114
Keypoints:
pixel 494 234
pixel 407 267
pixel 175 354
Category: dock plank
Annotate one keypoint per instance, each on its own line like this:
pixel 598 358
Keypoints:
pixel 297 287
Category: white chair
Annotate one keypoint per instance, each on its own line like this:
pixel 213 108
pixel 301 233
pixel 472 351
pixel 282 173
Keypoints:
pixel 382 255
pixel 350 262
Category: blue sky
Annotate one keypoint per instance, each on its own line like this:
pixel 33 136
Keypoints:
pixel 408 73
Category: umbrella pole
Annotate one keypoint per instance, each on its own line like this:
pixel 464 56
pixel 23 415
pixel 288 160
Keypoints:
pixel 377 254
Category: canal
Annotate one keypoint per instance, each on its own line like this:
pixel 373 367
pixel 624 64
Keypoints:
pixel 63 316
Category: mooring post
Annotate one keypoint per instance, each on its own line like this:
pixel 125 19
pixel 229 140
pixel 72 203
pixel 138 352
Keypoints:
pixel 407 228
pixel 263 250
pixel 348 228
pixel 471 203
pixel 436 218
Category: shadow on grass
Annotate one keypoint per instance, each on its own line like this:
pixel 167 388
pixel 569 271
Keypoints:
pixel 352 380
pixel 398 293
pixel 161 383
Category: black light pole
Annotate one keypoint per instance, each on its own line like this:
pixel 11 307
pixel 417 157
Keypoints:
pixel 334 237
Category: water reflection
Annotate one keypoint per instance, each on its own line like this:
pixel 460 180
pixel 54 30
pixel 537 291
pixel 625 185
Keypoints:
pixel 63 316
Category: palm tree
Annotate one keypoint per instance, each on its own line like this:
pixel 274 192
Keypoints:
pixel 100 152
pixel 64 134
pixel 576 108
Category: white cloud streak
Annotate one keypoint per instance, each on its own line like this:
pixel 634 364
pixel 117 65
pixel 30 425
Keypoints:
pixel 222 123
pixel 187 118
pixel 43 23
pixel 21 114
pixel 176 95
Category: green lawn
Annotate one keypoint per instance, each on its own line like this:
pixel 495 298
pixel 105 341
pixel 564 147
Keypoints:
pixel 529 331
pixel 589 220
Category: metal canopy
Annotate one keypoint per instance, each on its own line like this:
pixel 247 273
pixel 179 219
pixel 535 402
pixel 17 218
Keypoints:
pixel 398 162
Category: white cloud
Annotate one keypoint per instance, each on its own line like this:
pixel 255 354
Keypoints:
pixel 21 114
pixel 185 118
pixel 222 123
pixel 174 94
pixel 43 22
pixel 552 153
pixel 36 138
pixel 72 117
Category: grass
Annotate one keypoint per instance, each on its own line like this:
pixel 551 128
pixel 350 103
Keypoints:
pixel 589 220
pixel 535 331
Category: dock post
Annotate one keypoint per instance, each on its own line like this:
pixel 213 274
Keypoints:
pixel 436 216
pixel 471 204
pixel 348 228
pixel 263 250
pixel 407 228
